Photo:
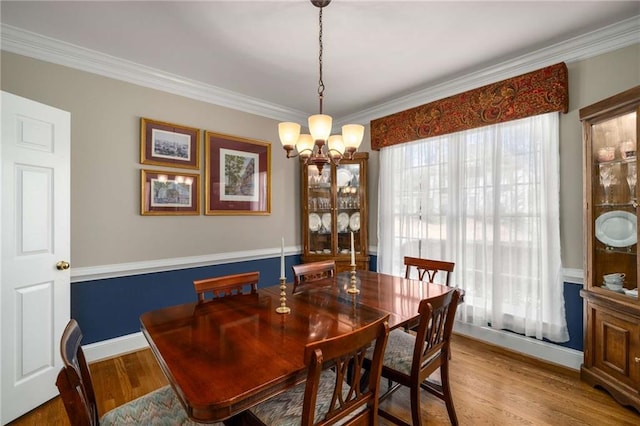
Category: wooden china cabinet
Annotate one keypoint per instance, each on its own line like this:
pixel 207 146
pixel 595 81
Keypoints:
pixel 612 316
pixel 334 204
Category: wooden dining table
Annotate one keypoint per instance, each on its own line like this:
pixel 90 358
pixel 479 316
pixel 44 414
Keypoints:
pixel 226 355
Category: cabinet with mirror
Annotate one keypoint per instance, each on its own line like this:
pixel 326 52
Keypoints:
pixel 612 312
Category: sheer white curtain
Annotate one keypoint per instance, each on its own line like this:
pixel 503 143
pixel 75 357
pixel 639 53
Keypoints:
pixel 486 199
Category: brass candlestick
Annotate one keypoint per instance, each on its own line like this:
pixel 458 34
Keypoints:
pixel 353 289
pixel 283 308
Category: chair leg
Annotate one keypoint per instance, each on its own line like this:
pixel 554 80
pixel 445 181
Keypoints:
pixel 446 393
pixel 415 404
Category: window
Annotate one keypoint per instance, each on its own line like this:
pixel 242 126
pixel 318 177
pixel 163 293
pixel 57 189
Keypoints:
pixel 487 199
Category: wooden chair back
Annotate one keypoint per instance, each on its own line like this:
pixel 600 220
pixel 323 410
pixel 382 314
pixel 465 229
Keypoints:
pixel 226 285
pixel 433 337
pixel 74 380
pixel 307 273
pixel 428 267
pixel 345 355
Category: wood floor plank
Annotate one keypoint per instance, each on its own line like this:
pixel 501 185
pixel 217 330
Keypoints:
pixel 490 385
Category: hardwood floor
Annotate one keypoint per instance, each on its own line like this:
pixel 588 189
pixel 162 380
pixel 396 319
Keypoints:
pixel 491 386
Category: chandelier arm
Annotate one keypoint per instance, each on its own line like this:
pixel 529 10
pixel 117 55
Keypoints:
pixel 335 159
pixel 298 153
pixel 330 150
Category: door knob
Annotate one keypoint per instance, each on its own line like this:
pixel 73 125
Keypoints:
pixel 62 265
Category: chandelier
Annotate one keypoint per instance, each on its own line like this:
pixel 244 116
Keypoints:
pixel 319 147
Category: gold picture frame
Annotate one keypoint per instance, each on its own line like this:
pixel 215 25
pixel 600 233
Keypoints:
pixel 169 193
pixel 168 144
pixel 237 175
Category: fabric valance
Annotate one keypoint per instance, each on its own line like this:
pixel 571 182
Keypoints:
pixel 537 92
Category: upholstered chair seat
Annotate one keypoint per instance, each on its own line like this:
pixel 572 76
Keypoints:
pixel 339 388
pixel 399 353
pixel 286 409
pixel 158 408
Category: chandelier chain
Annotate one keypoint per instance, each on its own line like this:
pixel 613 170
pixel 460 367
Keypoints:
pixel 320 82
pixel 318 147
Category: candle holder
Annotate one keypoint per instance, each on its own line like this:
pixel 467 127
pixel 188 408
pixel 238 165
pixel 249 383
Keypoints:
pixel 353 289
pixel 283 308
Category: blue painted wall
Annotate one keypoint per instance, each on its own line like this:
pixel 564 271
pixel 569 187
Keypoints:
pixel 573 311
pixel 110 308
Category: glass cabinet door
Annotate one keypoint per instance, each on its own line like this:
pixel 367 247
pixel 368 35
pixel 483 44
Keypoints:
pixel 348 208
pixel 614 177
pixel 320 207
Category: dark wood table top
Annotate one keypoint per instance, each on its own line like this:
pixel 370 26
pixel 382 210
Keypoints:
pixel 228 354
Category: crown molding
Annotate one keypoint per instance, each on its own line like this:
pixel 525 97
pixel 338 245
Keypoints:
pixel 30 44
pixel 33 45
pixel 606 39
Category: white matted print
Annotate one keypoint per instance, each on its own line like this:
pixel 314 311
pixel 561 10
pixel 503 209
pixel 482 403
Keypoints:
pixel 239 175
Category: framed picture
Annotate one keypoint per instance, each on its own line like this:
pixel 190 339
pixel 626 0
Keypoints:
pixel 237 175
pixel 167 144
pixel 169 193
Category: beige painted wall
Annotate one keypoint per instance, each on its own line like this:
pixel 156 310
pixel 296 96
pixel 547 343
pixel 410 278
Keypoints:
pixel 590 81
pixel 107 227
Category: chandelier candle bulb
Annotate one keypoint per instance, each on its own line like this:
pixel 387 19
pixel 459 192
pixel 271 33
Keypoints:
pixel 289 133
pixel 320 126
pixel 304 145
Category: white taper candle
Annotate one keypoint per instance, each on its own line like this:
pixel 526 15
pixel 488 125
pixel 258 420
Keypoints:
pixel 282 259
pixel 353 252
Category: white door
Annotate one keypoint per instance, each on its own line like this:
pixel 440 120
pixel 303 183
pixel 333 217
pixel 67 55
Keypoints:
pixel 34 211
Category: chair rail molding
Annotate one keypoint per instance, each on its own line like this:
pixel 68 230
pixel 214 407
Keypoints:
pixel 90 273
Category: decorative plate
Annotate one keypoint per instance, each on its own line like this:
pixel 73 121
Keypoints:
pixel 326 221
pixel 343 177
pixel 314 222
pixel 617 228
pixel 633 293
pixel 354 221
pixel 343 222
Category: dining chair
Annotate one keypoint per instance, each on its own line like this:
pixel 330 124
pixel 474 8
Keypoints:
pixel 306 273
pixel 226 285
pixel 338 389
pixel 160 407
pixel 428 267
pixel 410 358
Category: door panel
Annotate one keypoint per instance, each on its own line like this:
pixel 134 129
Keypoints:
pixel 35 295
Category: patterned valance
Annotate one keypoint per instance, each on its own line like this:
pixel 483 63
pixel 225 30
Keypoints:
pixel 537 92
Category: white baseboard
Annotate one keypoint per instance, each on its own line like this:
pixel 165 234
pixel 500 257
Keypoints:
pixel 566 357
pixel 114 347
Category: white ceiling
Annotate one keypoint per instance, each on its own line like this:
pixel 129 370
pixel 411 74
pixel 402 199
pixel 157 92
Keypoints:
pixel 374 51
